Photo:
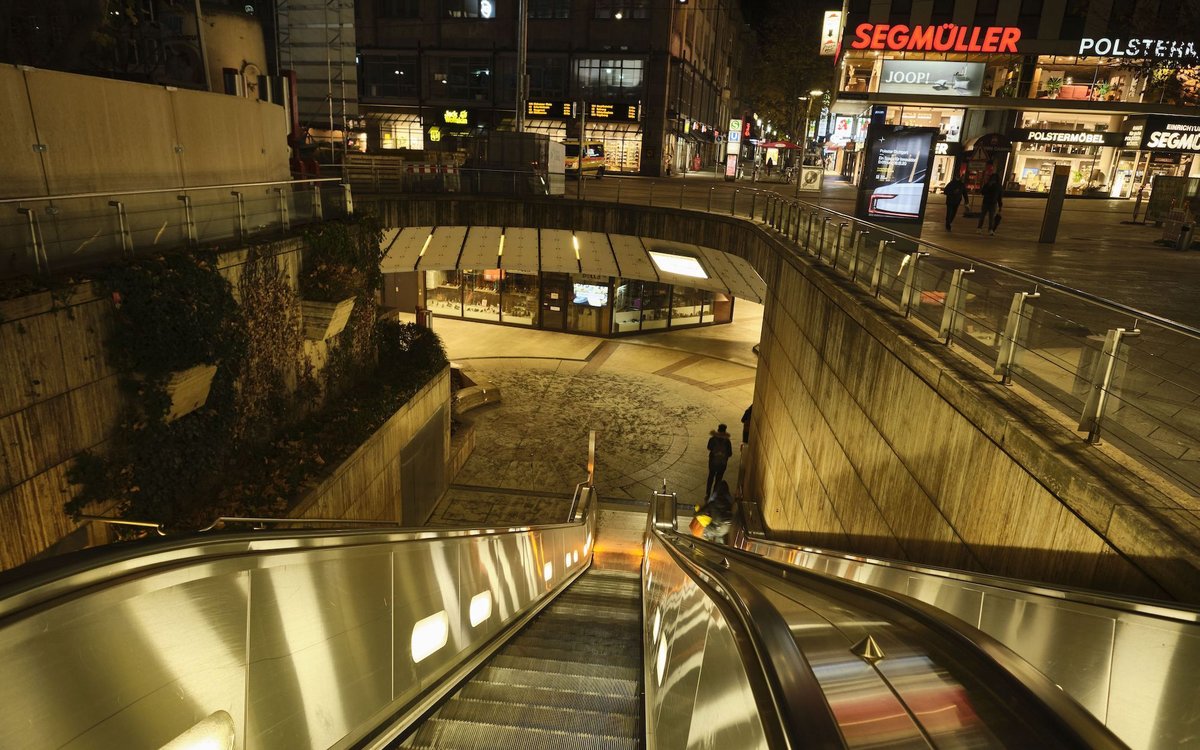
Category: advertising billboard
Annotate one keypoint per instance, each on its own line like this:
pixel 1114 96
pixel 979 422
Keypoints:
pixel 831 32
pixel 931 77
pixel 896 175
pixel 1164 133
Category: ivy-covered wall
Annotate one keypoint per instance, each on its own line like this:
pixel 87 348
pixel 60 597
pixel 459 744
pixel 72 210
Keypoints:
pixel 96 418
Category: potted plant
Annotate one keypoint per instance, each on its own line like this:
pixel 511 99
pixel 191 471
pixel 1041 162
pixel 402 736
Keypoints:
pixel 1053 86
pixel 1101 91
pixel 336 269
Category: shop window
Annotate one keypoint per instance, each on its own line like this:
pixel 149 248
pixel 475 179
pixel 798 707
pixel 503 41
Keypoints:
pixel 443 292
pixel 398 8
pixel 546 9
pixel 483 9
pixel 656 305
pixel 608 79
pixel 518 298
pixel 389 76
pixel 687 306
pixel 547 78
pixel 627 306
pixel 481 294
pixel 588 308
pixel 622 9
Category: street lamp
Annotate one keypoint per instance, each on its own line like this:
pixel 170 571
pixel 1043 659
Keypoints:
pixel 814 95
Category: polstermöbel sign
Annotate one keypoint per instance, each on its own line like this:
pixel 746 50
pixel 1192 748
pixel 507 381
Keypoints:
pixel 1152 49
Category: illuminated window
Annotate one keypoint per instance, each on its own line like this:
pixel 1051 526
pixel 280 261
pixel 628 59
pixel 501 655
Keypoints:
pixel 680 265
pixel 484 9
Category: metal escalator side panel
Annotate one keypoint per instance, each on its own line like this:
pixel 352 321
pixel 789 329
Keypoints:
pixel 307 642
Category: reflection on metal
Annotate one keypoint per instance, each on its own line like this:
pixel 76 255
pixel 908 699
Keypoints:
pixel 318 210
pixel 952 307
pixel 348 198
pixel 821 239
pixel 123 228
pixel 859 241
pixel 1102 381
pixel 189 221
pixel 868 650
pixel 241 214
pixel 284 219
pixel 591 463
pixel 156 527
pixel 36 248
pixel 1016 326
pixel 214 732
pixel 911 290
pixel 837 248
pixel 877 269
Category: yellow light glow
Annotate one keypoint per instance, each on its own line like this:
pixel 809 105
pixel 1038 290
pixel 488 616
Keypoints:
pixel 575 243
pixel 213 732
pixel 426 245
pixel 481 607
pixel 501 251
pixel 567 560
pixel 548 571
pixel 429 635
pixel 575 556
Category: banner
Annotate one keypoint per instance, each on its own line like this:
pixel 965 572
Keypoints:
pixel 931 77
pixel 831 32
pixel 810 178
pixel 896 175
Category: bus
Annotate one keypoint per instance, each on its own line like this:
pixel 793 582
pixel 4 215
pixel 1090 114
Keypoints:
pixel 593 158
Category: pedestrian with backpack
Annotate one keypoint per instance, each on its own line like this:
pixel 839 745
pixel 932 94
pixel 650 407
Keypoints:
pixel 720 448
pixel 954 191
pixel 993 199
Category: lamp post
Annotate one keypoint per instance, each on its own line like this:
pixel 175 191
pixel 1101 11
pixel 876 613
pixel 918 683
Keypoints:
pixel 814 95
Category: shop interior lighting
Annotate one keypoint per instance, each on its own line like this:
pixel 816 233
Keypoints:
pixel 429 635
pixel 680 265
pixel 575 243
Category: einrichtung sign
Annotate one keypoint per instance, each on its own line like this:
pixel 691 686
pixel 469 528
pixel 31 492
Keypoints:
pixel 1155 49
pixel 831 32
pixel 1070 137
pixel 931 77
pixel 945 37
pixel 1160 133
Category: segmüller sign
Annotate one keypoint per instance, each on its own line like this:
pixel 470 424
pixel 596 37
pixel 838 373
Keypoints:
pixel 947 37
pixel 1178 134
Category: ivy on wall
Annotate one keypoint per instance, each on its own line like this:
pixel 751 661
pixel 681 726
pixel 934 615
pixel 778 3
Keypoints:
pixel 260 440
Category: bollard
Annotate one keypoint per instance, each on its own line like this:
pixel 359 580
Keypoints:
pixel 733 202
pixel 710 197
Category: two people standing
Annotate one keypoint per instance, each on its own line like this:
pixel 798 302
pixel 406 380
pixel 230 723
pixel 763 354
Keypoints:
pixel 991 195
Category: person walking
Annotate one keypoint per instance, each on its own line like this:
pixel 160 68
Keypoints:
pixel 720 448
pixel 770 166
pixel 954 191
pixel 992 200
pixel 746 425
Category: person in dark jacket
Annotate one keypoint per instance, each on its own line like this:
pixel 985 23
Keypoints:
pixel 720 509
pixel 954 190
pixel 720 448
pixel 746 425
pixel 993 199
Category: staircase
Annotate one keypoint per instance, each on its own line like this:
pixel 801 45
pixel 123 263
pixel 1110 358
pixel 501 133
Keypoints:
pixel 570 679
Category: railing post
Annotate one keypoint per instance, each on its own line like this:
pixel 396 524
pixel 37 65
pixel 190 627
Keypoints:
pixel 651 192
pixel 910 291
pixel 318 207
pixel 710 197
pixel 41 263
pixel 837 248
pixel 808 232
pixel 284 220
pixel 189 223
pixel 877 271
pixel 349 198
pixel 951 308
pixel 681 184
pixel 1014 332
pixel 796 223
pixel 1102 379
pixel 859 241
pixel 821 242
pixel 123 228
pixel 241 215
pixel 753 203
pixel 733 202
pixel 619 181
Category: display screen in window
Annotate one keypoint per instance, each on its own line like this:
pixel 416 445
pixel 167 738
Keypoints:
pixel 592 295
pixel 897 172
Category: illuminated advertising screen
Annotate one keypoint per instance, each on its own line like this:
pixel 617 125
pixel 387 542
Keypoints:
pixel 931 77
pixel 592 295
pixel 896 175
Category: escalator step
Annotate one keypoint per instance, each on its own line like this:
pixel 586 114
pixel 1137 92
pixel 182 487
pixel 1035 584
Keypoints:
pixel 616 653
pixel 462 735
pixel 612 704
pixel 548 666
pixel 575 683
pixel 505 714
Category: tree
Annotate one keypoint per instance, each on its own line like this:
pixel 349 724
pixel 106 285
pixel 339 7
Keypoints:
pixel 788 65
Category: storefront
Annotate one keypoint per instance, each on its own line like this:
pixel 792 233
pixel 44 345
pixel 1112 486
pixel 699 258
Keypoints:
pixel 577 303
pixel 1092 146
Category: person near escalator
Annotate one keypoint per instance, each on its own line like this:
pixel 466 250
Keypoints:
pixel 720 449
pixel 720 509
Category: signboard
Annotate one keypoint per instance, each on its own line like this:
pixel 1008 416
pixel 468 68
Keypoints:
pixel 456 117
pixel 1164 133
pixel 811 177
pixel 896 174
pixel 930 77
pixel 731 162
pixel 831 32
pixel 734 144
pixel 843 129
pixel 945 37
pixel 1073 137
pixel 614 112
pixel 550 110
pixel 1151 49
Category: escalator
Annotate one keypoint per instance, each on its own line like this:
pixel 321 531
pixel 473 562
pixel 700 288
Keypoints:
pixel 610 630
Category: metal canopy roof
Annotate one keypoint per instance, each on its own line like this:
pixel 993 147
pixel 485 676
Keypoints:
pixel 553 250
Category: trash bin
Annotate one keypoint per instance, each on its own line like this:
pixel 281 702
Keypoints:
pixel 1185 237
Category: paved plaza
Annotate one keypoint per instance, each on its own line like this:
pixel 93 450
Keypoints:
pixel 652 399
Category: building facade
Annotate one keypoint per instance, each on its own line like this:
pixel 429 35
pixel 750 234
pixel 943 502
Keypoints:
pixel 1016 88
pixel 655 79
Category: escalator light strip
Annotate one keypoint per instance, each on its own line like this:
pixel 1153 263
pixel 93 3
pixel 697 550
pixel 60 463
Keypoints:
pixel 481 607
pixel 429 635
pixel 548 571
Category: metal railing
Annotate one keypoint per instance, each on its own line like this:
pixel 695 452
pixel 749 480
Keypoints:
pixel 40 235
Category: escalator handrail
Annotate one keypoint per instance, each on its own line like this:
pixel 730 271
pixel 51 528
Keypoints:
pixel 1060 708
pixel 1178 612
pixel 796 700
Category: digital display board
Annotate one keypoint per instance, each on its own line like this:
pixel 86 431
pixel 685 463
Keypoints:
pixel 614 112
pixel 896 175
pixel 550 110
pixel 560 110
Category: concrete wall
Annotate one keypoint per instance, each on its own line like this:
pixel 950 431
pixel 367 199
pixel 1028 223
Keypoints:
pixel 378 482
pixel 102 135
pixel 870 437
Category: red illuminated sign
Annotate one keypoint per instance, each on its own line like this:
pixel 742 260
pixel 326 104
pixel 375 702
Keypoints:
pixel 947 37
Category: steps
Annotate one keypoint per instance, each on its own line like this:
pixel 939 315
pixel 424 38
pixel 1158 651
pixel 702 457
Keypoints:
pixel 570 680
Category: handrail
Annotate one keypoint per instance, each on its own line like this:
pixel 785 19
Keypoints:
pixel 157 191
pixel 1119 307
pixel 157 527
pixel 263 522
